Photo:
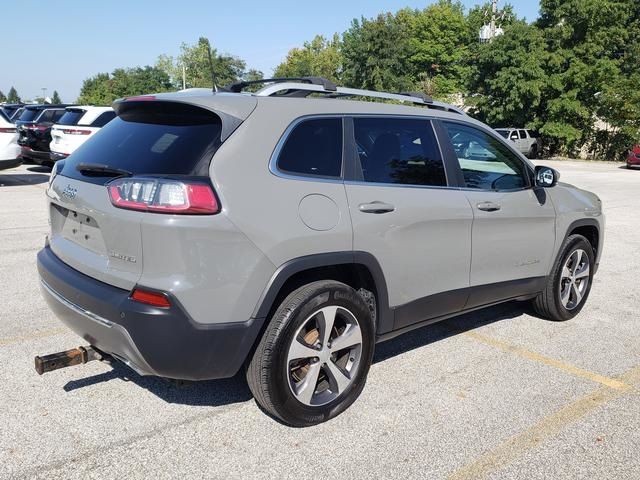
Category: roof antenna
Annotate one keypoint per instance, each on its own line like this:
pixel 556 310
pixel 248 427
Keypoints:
pixel 213 75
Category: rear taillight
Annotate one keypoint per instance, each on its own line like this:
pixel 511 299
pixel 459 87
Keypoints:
pixel 150 298
pixel 39 128
pixel 73 131
pixel 8 130
pixel 163 196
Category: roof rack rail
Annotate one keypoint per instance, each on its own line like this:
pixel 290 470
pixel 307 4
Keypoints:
pixel 239 86
pixel 293 89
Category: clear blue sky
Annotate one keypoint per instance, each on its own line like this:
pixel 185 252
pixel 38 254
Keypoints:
pixel 61 43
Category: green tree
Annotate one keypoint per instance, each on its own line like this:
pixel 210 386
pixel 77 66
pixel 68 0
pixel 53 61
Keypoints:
pixel 319 57
pixel 3 97
pixel 376 54
pixel 510 77
pixel 55 98
pixel 103 89
pixel 586 39
pixel 195 60
pixel 12 96
pixel 438 45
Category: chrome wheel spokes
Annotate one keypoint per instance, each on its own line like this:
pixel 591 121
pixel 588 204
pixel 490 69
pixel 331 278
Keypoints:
pixel 324 355
pixel 574 279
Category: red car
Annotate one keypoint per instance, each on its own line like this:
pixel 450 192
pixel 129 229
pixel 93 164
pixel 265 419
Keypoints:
pixel 633 158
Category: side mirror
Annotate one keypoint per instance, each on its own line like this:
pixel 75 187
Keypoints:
pixel 546 177
pixel 514 136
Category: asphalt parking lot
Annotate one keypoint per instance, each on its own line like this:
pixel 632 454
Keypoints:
pixel 494 394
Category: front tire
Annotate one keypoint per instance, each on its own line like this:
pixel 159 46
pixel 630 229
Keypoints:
pixel 312 362
pixel 570 281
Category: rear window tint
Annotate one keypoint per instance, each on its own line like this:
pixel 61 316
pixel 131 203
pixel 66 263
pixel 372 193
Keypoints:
pixel 28 115
pixel 103 119
pixel 71 117
pixel 313 148
pixel 152 140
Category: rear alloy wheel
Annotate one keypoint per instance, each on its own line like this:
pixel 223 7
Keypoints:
pixel 569 284
pixel 324 356
pixel 312 361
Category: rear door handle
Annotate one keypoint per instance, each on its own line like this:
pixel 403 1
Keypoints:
pixel 488 206
pixel 376 207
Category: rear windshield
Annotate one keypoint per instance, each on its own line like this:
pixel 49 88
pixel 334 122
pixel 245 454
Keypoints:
pixel 153 139
pixel 29 115
pixel 71 117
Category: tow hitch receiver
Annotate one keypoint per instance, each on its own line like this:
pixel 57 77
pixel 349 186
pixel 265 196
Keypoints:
pixel 75 356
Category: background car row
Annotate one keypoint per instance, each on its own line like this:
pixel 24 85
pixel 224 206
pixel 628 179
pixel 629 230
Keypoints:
pixel 46 133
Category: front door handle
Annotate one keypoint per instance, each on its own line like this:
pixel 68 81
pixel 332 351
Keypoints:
pixel 376 207
pixel 488 206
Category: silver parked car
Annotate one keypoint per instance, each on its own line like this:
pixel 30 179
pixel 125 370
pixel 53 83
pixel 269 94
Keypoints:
pixel 290 231
pixel 527 141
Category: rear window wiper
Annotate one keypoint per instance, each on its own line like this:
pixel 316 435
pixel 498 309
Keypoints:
pixel 98 170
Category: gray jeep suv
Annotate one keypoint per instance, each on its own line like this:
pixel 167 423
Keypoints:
pixel 287 231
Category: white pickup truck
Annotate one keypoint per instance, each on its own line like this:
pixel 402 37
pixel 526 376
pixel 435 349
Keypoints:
pixel 526 141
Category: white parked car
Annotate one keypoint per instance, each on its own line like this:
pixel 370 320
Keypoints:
pixel 75 127
pixel 9 148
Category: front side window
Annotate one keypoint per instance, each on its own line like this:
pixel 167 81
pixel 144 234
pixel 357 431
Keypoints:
pixel 313 148
pixel 486 163
pixel 399 150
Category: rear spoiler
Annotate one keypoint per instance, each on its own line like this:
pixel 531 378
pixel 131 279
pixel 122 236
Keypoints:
pixel 232 109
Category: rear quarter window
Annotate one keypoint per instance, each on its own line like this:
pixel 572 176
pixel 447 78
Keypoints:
pixel 313 148
pixel 71 117
pixel 28 115
pixel 103 119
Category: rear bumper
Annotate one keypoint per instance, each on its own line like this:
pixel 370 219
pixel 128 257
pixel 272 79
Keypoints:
pixel 153 341
pixel 35 155
pixel 54 156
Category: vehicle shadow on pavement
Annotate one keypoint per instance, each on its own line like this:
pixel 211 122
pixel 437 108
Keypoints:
pixel 211 393
pixel 227 391
pixel 22 179
pixel 453 326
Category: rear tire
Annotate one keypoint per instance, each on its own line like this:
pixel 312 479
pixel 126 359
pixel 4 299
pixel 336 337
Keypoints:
pixel 569 283
pixel 304 373
pixel 533 152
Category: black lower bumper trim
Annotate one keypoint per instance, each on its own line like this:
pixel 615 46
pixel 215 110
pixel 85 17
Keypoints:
pixel 159 341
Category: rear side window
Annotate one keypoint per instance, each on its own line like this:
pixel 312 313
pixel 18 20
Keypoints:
pixel 399 150
pixel 71 117
pixel 103 119
pixel 523 134
pixel 314 147
pixel 151 139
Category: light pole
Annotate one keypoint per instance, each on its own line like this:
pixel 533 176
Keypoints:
pixel 44 93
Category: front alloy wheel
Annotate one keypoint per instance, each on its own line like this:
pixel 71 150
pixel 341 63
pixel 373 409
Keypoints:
pixel 569 282
pixel 574 282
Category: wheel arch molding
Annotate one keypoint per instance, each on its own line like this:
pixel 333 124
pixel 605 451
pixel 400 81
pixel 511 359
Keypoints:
pixel 578 226
pixel 361 267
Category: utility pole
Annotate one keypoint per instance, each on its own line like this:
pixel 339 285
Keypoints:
pixel 184 77
pixel 494 11
pixel 490 31
pixel 44 92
